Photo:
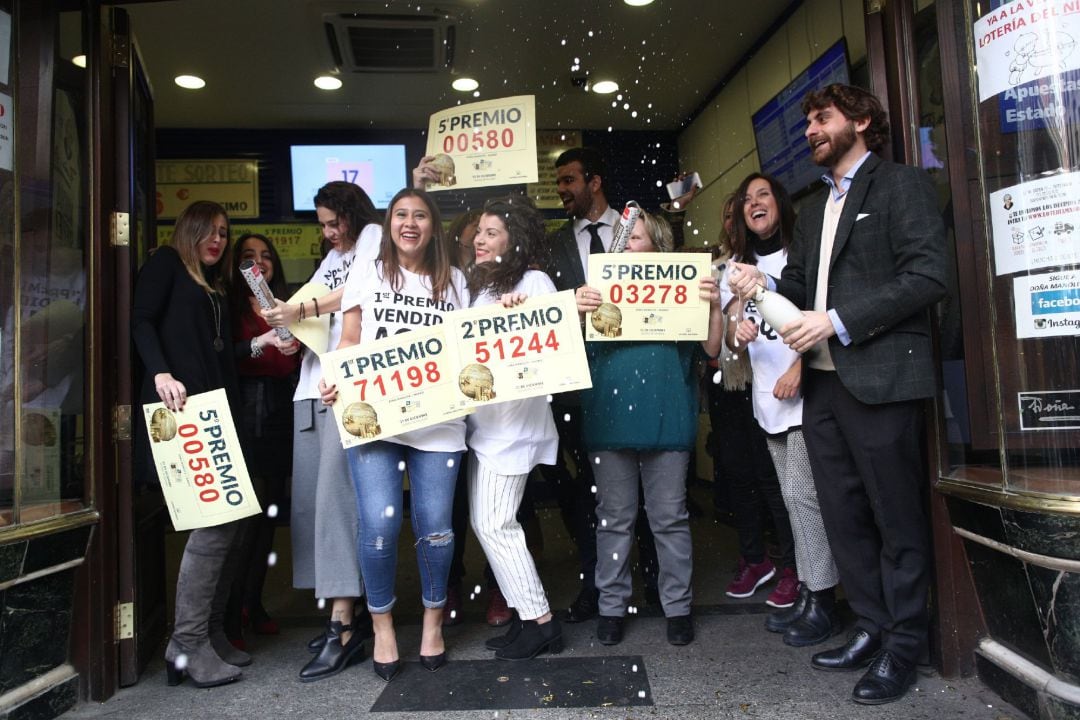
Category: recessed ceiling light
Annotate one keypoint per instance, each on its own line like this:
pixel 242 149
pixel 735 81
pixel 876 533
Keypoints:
pixel 79 60
pixel 465 84
pixel 637 3
pixel 327 82
pixel 605 87
pixel 190 82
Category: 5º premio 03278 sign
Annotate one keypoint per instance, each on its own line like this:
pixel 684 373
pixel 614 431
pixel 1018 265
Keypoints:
pixel 393 385
pixel 199 462
pixel 648 296
pixel 528 350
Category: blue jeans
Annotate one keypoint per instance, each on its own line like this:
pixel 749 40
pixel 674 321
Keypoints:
pixel 377 475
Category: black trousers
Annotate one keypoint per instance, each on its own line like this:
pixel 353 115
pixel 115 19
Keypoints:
pixel 868 470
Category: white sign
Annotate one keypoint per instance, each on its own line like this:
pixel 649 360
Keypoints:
pixel 1025 40
pixel 1047 305
pixel 1036 224
pixel 7 137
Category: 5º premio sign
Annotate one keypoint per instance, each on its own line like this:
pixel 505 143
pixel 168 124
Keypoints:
pixel 199 462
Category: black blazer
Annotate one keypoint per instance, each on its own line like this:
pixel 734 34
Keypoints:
pixel 565 268
pixel 887 268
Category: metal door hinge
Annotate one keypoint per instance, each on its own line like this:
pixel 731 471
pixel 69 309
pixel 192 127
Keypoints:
pixel 124 614
pixel 121 422
pixel 120 229
pixel 120 51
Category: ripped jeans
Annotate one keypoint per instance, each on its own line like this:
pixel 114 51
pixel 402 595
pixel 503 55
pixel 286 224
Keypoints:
pixel 376 470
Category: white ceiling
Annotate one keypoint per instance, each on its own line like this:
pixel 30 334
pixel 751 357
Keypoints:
pixel 259 58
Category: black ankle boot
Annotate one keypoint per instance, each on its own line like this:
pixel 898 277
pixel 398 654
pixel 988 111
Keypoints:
pixel 781 620
pixel 334 656
pixel 532 640
pixel 500 641
pixel 818 621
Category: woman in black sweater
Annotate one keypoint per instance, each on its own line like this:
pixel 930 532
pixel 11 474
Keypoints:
pixel 182 333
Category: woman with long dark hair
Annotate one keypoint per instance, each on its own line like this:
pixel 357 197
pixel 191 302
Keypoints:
pixel 266 368
pixel 413 269
pixel 763 233
pixel 507 440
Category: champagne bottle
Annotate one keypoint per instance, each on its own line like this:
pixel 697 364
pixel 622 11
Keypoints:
pixel 777 310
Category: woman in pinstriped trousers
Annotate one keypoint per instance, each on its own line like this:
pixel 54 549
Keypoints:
pixel 512 436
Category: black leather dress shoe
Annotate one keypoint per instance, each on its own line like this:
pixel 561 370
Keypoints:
pixel 585 607
pixel 887 679
pixel 784 618
pixel 817 623
pixel 860 649
pixel 433 662
pixel 680 630
pixel 334 656
pixel 609 630
pixel 316 643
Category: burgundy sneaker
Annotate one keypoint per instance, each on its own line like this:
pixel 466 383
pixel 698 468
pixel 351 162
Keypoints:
pixel 750 577
pixel 786 591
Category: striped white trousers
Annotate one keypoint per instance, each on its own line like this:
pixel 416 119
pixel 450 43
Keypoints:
pixel 493 506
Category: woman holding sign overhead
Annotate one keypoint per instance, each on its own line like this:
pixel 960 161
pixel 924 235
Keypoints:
pixel 412 284
pixel 509 439
pixel 640 421
pixel 181 330
pixel 323 525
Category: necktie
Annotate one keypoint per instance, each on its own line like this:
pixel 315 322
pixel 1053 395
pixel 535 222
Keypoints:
pixel 597 245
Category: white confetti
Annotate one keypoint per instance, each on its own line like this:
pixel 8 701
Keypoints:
pixel 389 511
pixel 450 463
pixel 614 556
pixel 566 417
pixel 476 590
pixel 401 466
pixel 641 693
pixel 717 377
pixel 321 604
pixel 633 668
pixel 271 559
pixel 603 522
pixel 271 511
pixel 181 661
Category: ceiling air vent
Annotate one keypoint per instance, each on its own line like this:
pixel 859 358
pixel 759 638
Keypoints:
pixel 390 43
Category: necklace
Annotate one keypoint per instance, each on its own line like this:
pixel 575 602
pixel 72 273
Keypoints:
pixel 215 306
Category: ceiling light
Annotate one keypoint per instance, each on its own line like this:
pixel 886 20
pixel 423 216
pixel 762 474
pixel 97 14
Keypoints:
pixel 190 82
pixel 637 3
pixel 327 82
pixel 465 84
pixel 605 87
pixel 79 60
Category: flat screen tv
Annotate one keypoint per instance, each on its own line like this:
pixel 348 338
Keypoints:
pixel 379 169
pixel 779 125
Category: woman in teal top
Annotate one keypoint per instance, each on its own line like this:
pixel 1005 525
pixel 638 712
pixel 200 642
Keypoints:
pixel 640 423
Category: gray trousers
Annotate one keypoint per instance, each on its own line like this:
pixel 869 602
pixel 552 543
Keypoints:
pixel 662 476
pixel 813 555
pixel 323 523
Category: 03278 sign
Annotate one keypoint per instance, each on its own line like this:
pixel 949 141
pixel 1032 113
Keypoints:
pixel 393 385
pixel 484 144
pixel 199 462
pixel 648 296
pixel 529 350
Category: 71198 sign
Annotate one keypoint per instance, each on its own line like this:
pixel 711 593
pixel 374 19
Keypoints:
pixel 393 385
pixel 648 296
pixel 530 350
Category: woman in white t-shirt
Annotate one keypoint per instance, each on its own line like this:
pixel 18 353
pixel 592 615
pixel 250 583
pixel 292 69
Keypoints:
pixel 508 439
pixel 762 235
pixel 323 528
pixel 411 284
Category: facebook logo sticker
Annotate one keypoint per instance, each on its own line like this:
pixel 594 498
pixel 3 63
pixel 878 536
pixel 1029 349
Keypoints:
pixel 1055 301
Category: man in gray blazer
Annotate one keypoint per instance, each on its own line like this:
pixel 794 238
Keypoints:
pixel 866 264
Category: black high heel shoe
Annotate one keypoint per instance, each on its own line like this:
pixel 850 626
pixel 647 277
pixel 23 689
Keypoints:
pixel 433 662
pixel 335 656
pixel 387 671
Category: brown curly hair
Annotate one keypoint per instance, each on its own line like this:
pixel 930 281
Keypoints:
pixel 855 104
pixel 526 249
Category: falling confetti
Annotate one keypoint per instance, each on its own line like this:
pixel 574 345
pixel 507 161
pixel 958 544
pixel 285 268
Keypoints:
pixel 271 559
pixel 181 661
pixel 321 604
pixel 271 511
pixel 389 511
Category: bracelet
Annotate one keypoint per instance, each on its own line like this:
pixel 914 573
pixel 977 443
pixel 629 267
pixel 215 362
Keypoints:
pixel 256 351
pixel 316 301
pixel 302 313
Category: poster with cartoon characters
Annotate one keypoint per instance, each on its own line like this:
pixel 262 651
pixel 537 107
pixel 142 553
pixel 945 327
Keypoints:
pixel 1025 40
pixel 1036 224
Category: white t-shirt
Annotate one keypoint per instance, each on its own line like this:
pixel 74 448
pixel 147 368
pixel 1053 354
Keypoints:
pixel 514 437
pixel 385 312
pixel 769 357
pixel 333 271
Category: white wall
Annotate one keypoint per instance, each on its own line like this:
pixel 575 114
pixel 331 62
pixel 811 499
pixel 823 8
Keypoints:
pixel 719 144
